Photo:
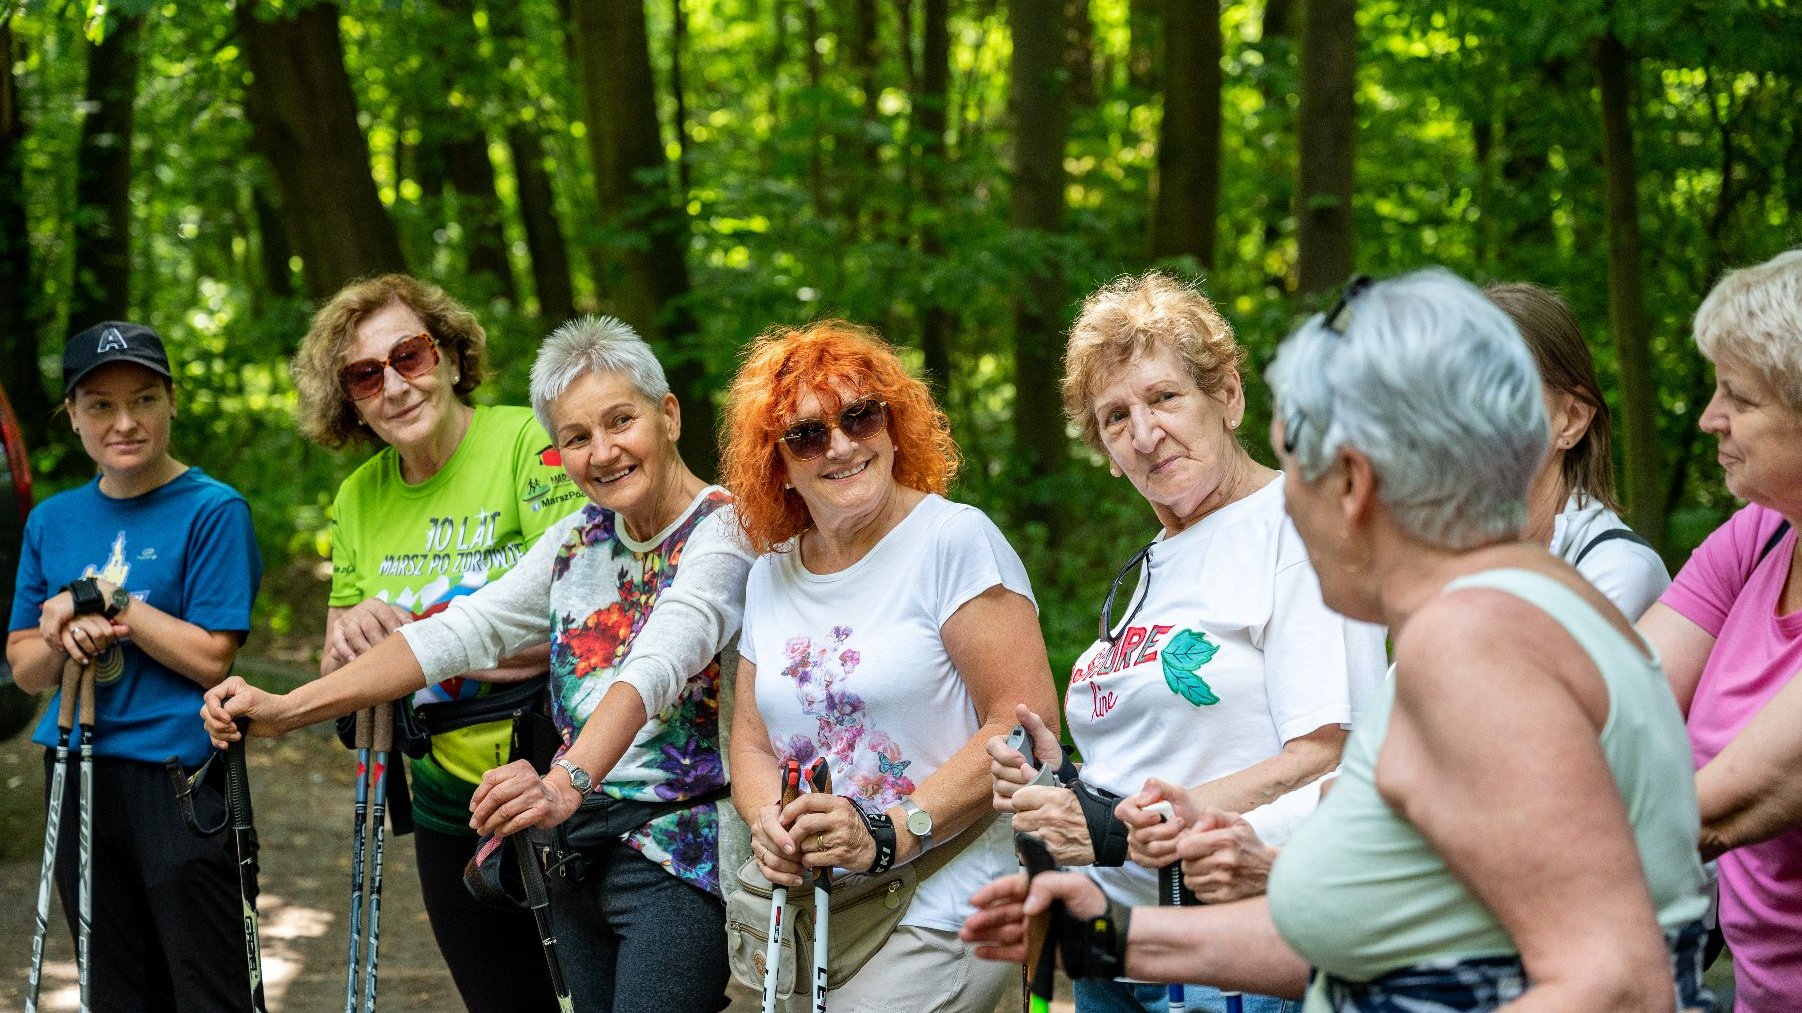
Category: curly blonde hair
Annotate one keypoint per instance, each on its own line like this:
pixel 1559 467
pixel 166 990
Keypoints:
pixel 782 366
pixel 1132 315
pixel 326 413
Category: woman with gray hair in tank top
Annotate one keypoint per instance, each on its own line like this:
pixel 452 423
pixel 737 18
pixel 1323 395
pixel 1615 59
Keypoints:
pixel 1514 819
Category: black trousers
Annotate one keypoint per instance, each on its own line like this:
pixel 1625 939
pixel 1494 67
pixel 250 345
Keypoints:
pixel 494 956
pixel 166 931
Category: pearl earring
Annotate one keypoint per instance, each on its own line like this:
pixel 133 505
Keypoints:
pixel 787 485
pixel 1233 424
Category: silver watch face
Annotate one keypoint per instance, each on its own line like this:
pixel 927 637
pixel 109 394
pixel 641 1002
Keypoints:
pixel 919 821
pixel 578 778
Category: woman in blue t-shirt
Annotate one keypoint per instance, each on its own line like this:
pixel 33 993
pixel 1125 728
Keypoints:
pixel 148 571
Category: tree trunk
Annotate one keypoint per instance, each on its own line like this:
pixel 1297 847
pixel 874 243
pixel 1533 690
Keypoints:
pixel 19 308
pixel 102 288
pixel 649 233
pixel 810 56
pixel 303 118
pixel 273 251
pixel 1278 16
pixel 678 40
pixel 1186 196
pixel 545 242
pixel 1040 102
pixel 478 207
pixel 1325 128
pixel 929 112
pixel 1079 52
pixel 544 233
pixel 1626 297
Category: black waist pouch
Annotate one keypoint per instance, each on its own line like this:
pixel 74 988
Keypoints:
pixel 577 848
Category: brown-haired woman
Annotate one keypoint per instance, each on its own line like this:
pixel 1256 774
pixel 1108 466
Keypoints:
pixel 888 631
pixel 1572 507
pixel 454 497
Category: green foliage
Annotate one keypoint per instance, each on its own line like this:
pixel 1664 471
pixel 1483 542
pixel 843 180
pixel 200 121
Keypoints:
pixel 1478 148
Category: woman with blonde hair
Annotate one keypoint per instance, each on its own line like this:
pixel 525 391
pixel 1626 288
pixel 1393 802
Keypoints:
pixel 451 499
pixel 1222 674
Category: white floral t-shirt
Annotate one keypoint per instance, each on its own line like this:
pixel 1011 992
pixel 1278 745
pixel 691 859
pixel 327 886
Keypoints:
pixel 851 665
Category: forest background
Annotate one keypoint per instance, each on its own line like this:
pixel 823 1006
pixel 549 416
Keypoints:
pixel 957 173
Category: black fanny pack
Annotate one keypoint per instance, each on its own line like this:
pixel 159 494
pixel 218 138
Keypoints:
pixel 573 852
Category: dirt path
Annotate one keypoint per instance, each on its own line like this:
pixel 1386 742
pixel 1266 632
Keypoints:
pixel 302 786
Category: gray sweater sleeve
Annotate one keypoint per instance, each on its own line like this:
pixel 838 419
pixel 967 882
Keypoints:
pixel 477 630
pixel 695 617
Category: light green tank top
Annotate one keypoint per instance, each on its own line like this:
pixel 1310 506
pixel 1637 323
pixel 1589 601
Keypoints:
pixel 1358 892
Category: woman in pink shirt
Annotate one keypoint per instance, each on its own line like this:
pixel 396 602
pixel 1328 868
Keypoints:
pixel 1730 630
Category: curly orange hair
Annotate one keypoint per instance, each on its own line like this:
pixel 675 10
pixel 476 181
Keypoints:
pixel 828 358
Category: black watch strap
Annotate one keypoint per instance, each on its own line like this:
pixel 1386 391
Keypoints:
pixel 88 600
pixel 1107 835
pixel 1094 947
pixel 882 831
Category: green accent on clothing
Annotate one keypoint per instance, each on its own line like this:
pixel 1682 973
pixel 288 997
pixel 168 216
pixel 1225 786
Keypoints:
pixel 1359 892
pixel 419 546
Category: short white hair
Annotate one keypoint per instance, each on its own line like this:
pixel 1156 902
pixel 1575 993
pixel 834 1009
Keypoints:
pixel 1433 383
pixel 593 345
pixel 1753 316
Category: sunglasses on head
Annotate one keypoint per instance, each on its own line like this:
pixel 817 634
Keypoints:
pixel 410 357
pixel 1335 320
pixel 860 420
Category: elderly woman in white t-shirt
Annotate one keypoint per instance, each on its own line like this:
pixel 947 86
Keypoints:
pixel 888 632
pixel 1222 672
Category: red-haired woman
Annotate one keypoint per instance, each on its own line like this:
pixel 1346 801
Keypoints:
pixel 887 630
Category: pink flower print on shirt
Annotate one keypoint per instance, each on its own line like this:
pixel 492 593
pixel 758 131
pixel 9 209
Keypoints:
pixel 876 771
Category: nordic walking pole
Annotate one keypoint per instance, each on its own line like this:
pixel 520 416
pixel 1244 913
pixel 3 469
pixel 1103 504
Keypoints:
pixel 360 818
pixel 1038 971
pixel 53 822
pixel 791 790
pixel 383 735
pixel 1170 894
pixel 539 899
pixel 822 898
pixel 237 808
pixel 85 907
pixel 238 817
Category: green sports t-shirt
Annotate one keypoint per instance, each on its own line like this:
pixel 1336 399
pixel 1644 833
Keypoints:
pixel 419 546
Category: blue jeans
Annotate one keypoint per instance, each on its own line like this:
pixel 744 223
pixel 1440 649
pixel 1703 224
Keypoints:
pixel 1096 995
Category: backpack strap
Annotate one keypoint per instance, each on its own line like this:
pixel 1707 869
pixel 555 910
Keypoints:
pixel 1776 536
pixel 1613 534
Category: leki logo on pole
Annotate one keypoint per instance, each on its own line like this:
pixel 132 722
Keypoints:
pixel 110 341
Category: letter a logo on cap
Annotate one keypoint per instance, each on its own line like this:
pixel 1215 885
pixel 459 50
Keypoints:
pixel 111 340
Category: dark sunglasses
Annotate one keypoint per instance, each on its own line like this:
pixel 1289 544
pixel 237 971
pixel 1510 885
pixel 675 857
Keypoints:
pixel 861 419
pixel 1336 320
pixel 410 357
pixel 1141 560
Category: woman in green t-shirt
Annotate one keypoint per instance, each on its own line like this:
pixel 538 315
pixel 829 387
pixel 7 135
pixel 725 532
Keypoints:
pixel 454 497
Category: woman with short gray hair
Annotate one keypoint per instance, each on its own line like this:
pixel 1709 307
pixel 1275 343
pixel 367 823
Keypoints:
pixel 1521 714
pixel 644 587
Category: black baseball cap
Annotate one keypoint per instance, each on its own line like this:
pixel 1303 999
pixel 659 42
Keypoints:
pixel 112 341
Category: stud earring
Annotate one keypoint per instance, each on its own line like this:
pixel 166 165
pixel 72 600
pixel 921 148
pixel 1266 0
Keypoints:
pixel 787 485
pixel 1232 424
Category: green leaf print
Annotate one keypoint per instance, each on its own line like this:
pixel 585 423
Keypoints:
pixel 1187 652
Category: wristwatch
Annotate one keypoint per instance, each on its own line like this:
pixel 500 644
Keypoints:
pixel 579 779
pixel 88 599
pixel 117 603
pixel 919 822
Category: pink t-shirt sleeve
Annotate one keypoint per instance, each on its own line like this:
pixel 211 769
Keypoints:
pixel 1709 584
